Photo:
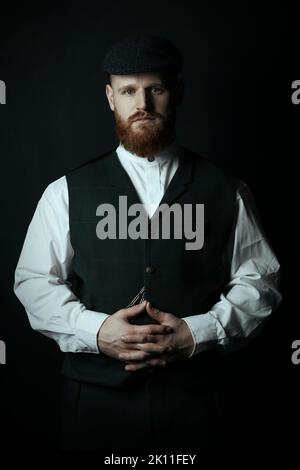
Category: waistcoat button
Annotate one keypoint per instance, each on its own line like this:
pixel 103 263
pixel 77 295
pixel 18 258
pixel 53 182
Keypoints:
pixel 149 269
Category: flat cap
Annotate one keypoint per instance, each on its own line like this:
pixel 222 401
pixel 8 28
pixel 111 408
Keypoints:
pixel 142 53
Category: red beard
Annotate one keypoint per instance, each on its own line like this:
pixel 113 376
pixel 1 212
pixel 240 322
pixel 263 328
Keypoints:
pixel 145 139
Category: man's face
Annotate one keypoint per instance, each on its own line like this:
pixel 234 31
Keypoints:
pixel 144 106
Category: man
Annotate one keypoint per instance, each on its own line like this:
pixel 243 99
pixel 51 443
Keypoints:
pixel 145 322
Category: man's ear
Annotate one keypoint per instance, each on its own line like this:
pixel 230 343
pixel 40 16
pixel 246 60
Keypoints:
pixel 179 91
pixel 110 96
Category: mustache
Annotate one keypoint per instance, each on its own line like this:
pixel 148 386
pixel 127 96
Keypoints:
pixel 144 116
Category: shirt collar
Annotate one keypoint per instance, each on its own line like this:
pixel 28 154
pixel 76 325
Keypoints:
pixel 168 154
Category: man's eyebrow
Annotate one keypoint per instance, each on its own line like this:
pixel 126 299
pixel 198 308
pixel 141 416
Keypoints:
pixel 133 85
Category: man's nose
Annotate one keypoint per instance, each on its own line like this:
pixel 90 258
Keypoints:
pixel 144 100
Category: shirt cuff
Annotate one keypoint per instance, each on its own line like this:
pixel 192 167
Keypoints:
pixel 87 327
pixel 204 331
pixel 193 335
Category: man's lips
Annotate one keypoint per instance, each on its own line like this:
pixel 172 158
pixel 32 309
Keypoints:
pixel 144 119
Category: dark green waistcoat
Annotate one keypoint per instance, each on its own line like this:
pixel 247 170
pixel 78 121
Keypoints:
pixel 107 274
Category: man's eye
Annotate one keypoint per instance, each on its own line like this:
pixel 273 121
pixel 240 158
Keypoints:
pixel 157 90
pixel 129 91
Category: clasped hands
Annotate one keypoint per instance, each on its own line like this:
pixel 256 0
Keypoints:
pixel 140 346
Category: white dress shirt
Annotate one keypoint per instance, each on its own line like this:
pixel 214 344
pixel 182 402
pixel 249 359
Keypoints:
pixel 45 264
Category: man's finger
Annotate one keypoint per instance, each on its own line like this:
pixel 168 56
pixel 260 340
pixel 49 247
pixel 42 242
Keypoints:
pixel 153 329
pixel 154 348
pixel 143 365
pixel 128 339
pixel 133 355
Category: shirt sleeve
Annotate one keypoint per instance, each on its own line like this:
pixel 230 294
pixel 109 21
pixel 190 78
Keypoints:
pixel 252 292
pixel 41 277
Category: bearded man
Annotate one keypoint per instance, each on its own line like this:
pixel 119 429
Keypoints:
pixel 145 323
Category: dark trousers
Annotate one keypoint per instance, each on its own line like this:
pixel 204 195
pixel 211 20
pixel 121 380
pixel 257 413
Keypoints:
pixel 153 414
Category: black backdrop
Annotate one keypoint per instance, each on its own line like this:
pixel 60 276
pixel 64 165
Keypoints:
pixel 237 110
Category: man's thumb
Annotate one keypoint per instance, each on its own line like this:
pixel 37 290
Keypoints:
pixel 135 309
pixel 152 311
